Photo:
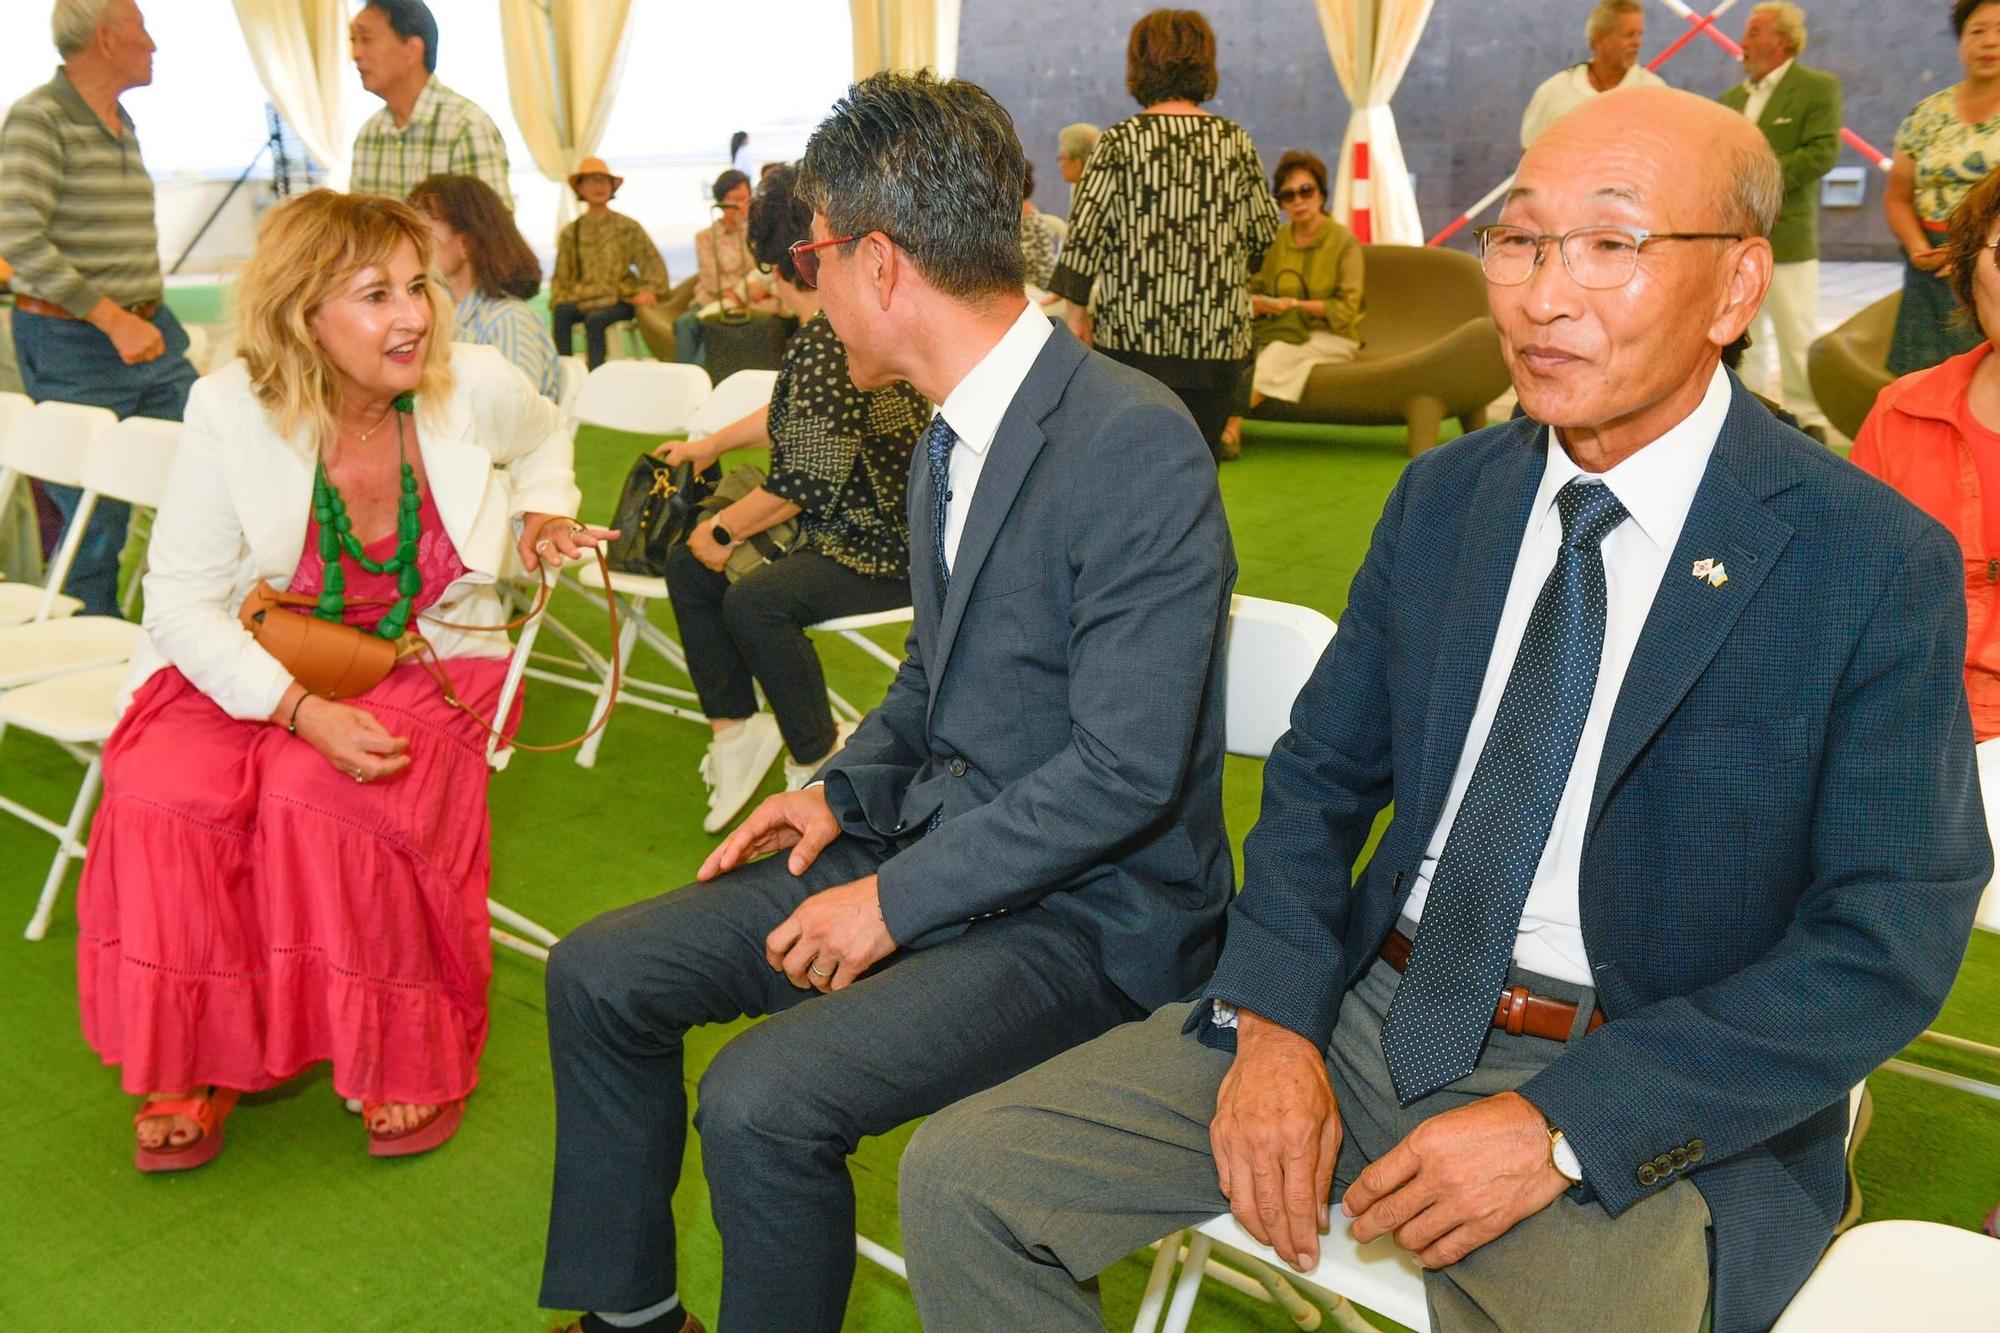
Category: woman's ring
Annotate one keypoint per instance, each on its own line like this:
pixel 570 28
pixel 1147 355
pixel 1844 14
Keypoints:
pixel 544 544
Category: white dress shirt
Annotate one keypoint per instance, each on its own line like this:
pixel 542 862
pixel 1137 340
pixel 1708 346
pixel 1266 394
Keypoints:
pixel 1760 91
pixel 1564 92
pixel 973 411
pixel 1656 485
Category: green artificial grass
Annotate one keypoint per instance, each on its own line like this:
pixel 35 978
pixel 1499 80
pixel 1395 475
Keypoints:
pixel 294 1227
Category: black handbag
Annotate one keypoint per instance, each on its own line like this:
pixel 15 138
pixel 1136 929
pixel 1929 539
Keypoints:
pixel 658 507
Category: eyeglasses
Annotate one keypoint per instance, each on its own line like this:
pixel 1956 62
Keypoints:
pixel 805 258
pixel 805 254
pixel 1301 192
pixel 1597 257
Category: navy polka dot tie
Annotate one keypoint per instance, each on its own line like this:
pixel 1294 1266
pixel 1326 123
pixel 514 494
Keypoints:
pixel 939 438
pixel 1458 962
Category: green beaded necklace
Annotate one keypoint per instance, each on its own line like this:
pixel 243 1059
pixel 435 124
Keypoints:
pixel 336 533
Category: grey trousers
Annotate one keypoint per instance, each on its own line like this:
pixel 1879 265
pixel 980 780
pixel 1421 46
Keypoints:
pixel 1014 1199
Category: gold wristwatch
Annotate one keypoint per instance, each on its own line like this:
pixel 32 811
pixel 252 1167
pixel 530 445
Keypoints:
pixel 1563 1157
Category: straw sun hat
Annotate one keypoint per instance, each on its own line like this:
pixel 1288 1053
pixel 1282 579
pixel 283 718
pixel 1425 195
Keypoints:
pixel 594 166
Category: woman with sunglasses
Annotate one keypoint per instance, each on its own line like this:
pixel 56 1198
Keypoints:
pixel 1305 296
pixel 840 461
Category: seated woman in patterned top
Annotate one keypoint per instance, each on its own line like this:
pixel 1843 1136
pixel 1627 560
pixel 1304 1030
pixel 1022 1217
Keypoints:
pixel 605 265
pixel 492 273
pixel 840 461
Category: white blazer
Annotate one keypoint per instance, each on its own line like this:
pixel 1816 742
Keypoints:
pixel 239 497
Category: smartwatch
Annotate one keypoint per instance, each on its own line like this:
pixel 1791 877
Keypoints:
pixel 719 533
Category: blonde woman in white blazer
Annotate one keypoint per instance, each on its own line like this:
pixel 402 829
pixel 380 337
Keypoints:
pixel 277 879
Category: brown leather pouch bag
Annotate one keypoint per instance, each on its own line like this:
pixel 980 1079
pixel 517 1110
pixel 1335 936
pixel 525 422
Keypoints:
pixel 331 660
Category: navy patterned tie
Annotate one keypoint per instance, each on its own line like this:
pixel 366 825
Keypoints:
pixel 1458 963
pixel 939 438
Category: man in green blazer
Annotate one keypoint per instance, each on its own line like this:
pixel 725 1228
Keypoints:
pixel 1798 109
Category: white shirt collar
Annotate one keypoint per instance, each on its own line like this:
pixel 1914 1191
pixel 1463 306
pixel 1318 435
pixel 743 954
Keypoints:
pixel 1657 483
pixel 1769 81
pixel 973 409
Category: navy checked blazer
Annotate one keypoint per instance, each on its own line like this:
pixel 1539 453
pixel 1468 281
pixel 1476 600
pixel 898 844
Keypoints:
pixel 1785 846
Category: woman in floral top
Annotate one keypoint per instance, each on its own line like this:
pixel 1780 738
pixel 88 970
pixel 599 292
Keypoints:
pixel 840 462
pixel 1944 147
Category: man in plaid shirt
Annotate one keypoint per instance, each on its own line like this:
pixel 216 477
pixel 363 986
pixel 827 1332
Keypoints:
pixel 425 128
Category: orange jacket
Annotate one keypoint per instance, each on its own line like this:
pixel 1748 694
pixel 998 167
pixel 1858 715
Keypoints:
pixel 1912 441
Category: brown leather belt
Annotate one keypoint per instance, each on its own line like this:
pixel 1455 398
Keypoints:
pixel 35 306
pixel 1518 1010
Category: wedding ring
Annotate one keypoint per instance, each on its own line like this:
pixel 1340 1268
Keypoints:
pixel 822 975
pixel 544 544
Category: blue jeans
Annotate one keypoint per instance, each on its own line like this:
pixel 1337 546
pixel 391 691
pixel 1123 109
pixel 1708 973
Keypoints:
pixel 70 361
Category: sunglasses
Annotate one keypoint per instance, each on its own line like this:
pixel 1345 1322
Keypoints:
pixel 1301 192
pixel 805 255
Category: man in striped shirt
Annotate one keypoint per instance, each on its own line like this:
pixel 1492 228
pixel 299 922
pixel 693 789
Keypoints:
pixel 76 222
pixel 424 128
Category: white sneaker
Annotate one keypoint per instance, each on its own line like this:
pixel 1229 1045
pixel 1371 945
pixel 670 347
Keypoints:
pixel 798 775
pixel 735 766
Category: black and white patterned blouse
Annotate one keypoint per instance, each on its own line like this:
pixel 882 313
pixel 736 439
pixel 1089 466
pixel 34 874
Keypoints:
pixel 1169 221
pixel 842 455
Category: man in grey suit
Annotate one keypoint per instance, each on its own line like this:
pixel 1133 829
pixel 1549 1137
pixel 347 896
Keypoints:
pixel 1021 848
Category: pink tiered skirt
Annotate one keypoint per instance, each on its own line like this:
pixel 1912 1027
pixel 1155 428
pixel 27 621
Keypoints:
pixel 247 910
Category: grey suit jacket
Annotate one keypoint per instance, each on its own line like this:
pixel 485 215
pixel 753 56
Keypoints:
pixel 1062 708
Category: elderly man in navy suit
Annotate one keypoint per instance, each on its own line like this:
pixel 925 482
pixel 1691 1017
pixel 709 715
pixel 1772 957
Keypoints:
pixel 1021 848
pixel 1686 840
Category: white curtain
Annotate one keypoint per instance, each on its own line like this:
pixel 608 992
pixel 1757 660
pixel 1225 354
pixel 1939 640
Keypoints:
pixel 300 49
pixel 906 35
pixel 563 62
pixel 1371 42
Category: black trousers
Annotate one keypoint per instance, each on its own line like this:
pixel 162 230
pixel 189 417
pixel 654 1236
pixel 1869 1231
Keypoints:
pixel 1210 390
pixel 782 1106
pixel 567 316
pixel 755 630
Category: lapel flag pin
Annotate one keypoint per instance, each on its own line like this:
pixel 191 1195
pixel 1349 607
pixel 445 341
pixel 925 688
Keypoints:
pixel 1711 570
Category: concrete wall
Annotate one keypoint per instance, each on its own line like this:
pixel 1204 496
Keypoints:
pixel 1056 61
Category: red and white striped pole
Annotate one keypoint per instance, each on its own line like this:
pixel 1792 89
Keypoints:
pixel 1360 202
pixel 1698 25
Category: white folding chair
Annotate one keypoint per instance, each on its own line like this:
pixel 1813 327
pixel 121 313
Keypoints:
pixel 163 435
pixel 65 674
pixel 46 446
pixel 126 461
pixel 735 398
pixel 644 397
pixel 539 938
pixel 570 372
pixel 1272 650
pixel 653 398
pixel 1901 1274
pixel 850 628
pixel 1987 918
pixel 76 712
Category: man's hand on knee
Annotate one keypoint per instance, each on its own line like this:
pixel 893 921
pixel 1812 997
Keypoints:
pixel 1458 1180
pixel 1276 1137
pixel 832 938
pixel 800 820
